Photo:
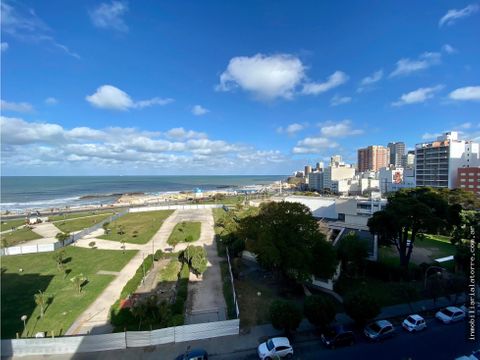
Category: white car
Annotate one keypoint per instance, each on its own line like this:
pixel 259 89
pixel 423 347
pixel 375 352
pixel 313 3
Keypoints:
pixel 414 323
pixel 279 346
pixel 450 314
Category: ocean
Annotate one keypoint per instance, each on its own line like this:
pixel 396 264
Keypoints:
pixel 19 193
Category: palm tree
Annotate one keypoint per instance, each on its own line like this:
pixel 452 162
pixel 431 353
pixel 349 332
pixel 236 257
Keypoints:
pixel 78 281
pixel 122 241
pixel 40 300
pixel 59 257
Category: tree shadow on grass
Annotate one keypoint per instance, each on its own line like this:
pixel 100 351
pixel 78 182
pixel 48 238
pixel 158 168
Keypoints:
pixel 17 299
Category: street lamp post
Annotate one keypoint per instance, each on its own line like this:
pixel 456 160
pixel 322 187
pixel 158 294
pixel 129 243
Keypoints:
pixel 24 319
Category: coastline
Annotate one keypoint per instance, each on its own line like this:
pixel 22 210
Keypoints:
pixel 138 198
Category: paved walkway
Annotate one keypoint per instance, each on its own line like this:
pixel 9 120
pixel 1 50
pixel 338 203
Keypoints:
pixel 46 230
pixel 94 320
pixel 206 301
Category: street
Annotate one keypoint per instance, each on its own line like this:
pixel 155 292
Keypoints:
pixel 438 341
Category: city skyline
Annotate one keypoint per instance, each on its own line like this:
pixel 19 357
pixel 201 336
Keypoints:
pixel 213 88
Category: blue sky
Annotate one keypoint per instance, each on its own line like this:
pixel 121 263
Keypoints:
pixel 229 87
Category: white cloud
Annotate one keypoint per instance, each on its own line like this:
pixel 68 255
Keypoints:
pixel 417 96
pixel 181 133
pixel 339 100
pixel 449 49
pixel 313 145
pixel 407 66
pixel 370 80
pixel 51 101
pixel 110 16
pixel 275 76
pixel 16 107
pixel 267 77
pixel 24 24
pixel 43 145
pixel 290 129
pixel 466 125
pixel 430 136
pixel 199 110
pixel 468 93
pixel 338 129
pixel 336 79
pixel 4 46
pixel 111 97
pixel 453 15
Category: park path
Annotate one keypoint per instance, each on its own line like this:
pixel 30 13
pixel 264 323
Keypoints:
pixel 205 294
pixel 46 230
pixel 95 319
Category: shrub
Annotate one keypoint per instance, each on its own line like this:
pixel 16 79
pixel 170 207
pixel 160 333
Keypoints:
pixel 135 281
pixel 361 307
pixel 285 315
pixel 319 310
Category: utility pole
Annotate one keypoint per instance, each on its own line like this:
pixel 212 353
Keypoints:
pixel 143 266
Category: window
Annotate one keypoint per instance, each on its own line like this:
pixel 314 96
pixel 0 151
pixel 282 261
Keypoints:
pixel 463 180
pixel 470 186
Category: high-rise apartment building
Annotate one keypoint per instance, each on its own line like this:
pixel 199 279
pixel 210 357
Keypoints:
pixel 315 180
pixel 308 170
pixel 469 179
pixel 437 162
pixel 337 172
pixel 373 158
pixel 408 160
pixel 397 151
pixel 336 160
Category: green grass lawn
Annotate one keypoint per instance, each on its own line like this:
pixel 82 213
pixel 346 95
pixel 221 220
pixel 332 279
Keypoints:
pixel 431 247
pixel 8 224
pixel 75 215
pixel 80 223
pixel 138 227
pixel 170 272
pixel 40 273
pixel 18 236
pixel 186 231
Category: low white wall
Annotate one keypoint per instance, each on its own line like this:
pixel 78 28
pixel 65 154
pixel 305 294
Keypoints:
pixel 118 341
pixel 174 207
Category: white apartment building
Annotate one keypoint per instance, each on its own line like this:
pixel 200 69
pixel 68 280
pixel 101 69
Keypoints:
pixel 335 173
pixel 437 162
pixel 395 178
pixel 315 180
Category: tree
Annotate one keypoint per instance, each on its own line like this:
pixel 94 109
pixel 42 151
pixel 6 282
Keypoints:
pixel 122 242
pixel 41 300
pixel 409 293
pixel 319 310
pixel 196 258
pixel 286 239
pixel 78 281
pixel 409 213
pixel 59 258
pixel 435 286
pixel 285 315
pixel 455 285
pixel 62 237
pixel 139 310
pixel 361 306
pixel 105 227
pixel 468 227
pixel 352 251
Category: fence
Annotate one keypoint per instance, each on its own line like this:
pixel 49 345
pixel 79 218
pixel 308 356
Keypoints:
pixel 31 249
pixel 175 207
pixel 119 341
pixel 233 285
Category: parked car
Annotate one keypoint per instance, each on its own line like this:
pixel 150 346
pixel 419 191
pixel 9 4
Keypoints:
pixel 379 330
pixel 467 309
pixel 195 354
pixel 474 356
pixel 414 323
pixel 450 314
pixel 279 346
pixel 337 336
